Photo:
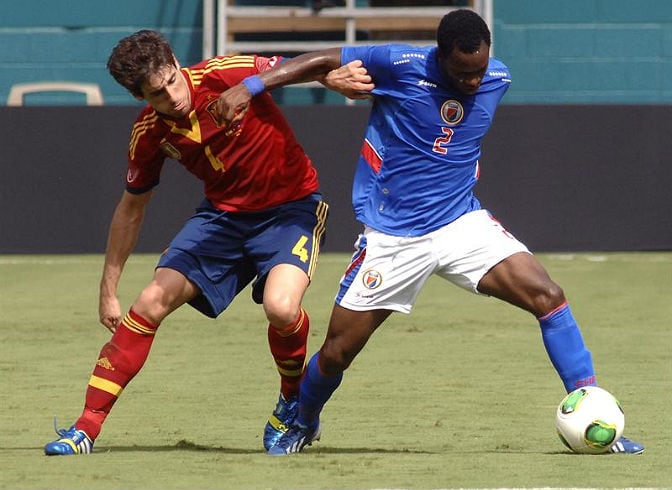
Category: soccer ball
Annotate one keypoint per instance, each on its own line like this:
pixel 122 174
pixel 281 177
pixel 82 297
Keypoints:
pixel 589 420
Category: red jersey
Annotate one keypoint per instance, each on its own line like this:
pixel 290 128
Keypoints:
pixel 259 167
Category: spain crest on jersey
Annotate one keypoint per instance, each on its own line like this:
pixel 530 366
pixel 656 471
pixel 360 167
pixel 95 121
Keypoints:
pixel 169 150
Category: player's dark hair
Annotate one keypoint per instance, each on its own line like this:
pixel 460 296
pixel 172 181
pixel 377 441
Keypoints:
pixel 138 56
pixel 462 29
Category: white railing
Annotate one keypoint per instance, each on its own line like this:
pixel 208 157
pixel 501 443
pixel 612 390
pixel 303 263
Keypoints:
pixel 222 21
pixel 18 91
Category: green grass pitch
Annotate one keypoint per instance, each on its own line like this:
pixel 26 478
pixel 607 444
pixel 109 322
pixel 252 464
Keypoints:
pixel 458 394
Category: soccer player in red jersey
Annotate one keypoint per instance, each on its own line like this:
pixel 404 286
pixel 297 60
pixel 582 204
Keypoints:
pixel 262 220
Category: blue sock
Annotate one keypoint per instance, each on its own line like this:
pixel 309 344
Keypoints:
pixel 565 347
pixel 316 389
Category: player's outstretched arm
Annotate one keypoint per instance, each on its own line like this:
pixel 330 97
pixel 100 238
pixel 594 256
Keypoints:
pixel 122 237
pixel 306 67
pixel 234 103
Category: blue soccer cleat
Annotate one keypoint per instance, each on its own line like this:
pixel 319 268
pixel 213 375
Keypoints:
pixel 280 420
pixel 626 446
pixel 295 439
pixel 71 441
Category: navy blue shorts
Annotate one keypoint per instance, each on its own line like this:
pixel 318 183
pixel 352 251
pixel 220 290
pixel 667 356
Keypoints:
pixel 221 252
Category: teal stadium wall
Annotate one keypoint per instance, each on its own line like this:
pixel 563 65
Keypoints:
pixel 569 51
pixel 45 40
pixel 586 51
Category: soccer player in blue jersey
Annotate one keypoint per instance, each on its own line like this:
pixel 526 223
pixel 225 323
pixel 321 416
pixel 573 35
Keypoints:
pixel 413 192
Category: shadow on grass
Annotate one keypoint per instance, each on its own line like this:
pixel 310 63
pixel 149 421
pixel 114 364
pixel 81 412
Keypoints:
pixel 184 445
pixel 190 446
pixel 187 446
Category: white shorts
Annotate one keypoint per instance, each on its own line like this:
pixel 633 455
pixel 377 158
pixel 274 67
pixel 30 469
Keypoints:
pixel 388 272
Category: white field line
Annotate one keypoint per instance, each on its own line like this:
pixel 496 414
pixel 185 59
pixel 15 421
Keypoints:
pixel 67 259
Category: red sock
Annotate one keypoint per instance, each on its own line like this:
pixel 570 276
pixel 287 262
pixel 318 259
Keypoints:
pixel 119 361
pixel 288 347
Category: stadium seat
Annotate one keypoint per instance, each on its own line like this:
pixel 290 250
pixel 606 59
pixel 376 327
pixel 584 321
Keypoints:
pixel 94 95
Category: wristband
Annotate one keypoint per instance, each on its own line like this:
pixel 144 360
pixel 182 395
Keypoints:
pixel 254 85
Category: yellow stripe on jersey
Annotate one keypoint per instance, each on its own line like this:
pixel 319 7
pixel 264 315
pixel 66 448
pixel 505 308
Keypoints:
pixel 105 385
pixel 137 327
pixel 230 62
pixel 318 231
pixel 213 64
pixel 140 128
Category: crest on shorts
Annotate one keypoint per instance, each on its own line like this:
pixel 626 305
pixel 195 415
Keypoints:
pixel 452 112
pixel 372 279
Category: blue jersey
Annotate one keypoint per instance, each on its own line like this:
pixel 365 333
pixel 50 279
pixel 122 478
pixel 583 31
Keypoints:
pixel 419 160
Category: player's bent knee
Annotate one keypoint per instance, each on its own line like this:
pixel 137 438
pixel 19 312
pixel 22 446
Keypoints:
pixel 281 313
pixel 152 305
pixel 550 298
pixel 334 359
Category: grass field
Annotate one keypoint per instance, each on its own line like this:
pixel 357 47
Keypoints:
pixel 459 394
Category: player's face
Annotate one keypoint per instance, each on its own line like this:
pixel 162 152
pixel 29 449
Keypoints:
pixel 465 71
pixel 167 92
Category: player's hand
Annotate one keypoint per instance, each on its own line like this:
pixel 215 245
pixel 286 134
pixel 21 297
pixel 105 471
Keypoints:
pixel 109 311
pixel 351 80
pixel 231 107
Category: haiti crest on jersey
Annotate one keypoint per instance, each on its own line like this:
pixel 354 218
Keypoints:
pixel 452 112
pixel 372 279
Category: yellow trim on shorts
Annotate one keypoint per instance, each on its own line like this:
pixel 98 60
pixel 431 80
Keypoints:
pixel 321 225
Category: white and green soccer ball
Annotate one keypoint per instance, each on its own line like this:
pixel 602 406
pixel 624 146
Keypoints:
pixel 589 420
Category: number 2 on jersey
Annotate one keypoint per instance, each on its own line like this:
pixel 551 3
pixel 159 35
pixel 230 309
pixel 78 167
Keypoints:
pixel 441 142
